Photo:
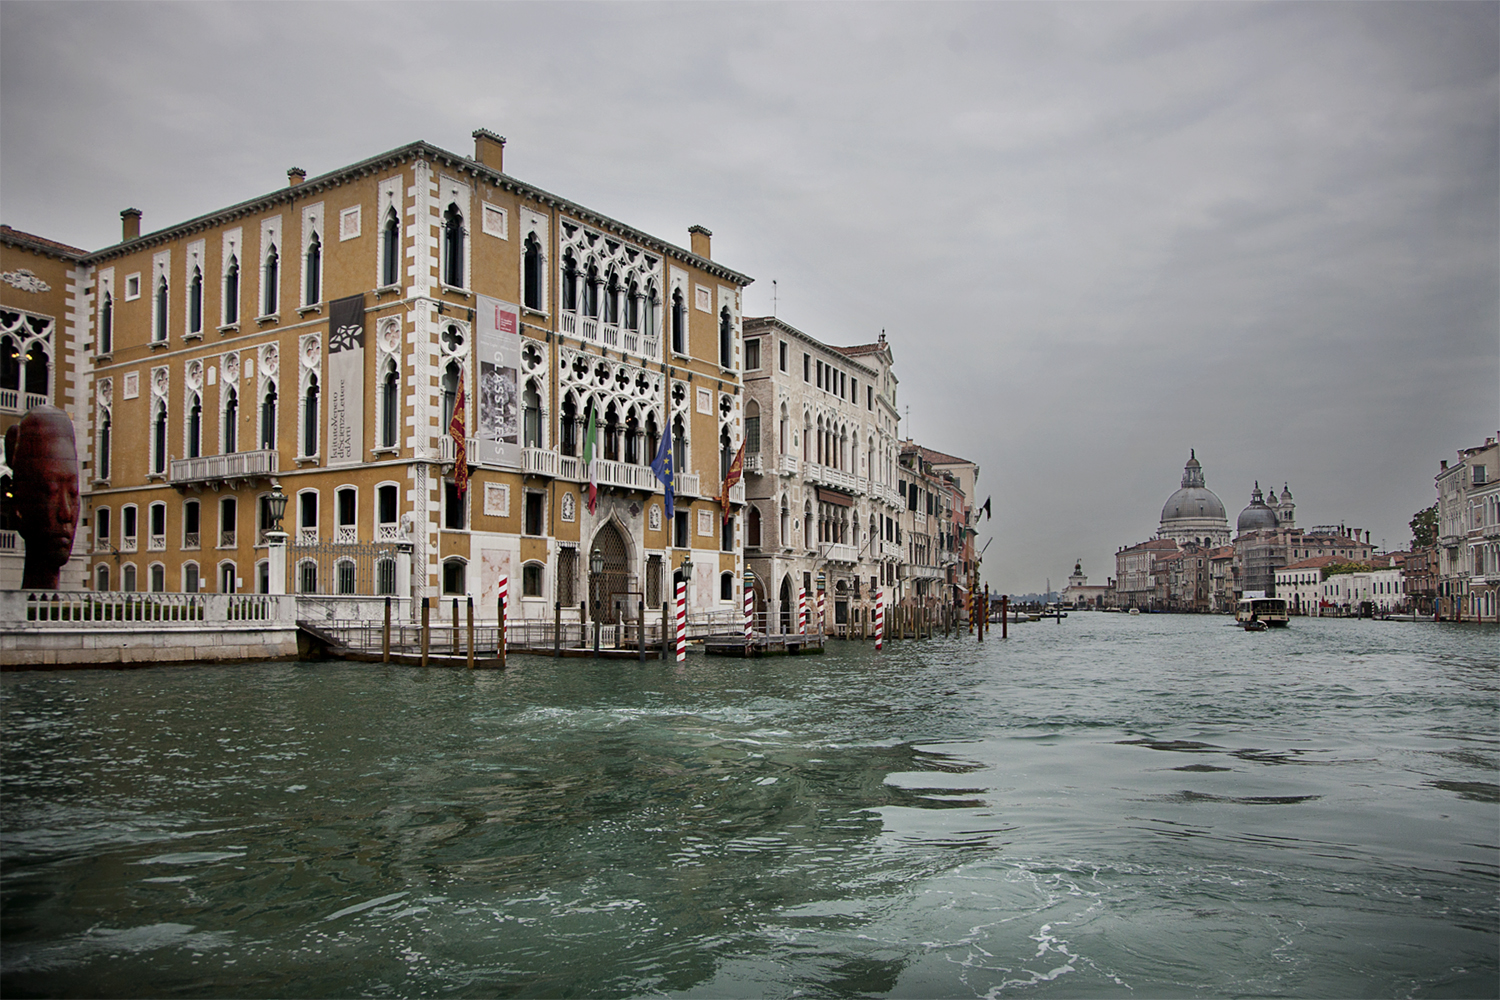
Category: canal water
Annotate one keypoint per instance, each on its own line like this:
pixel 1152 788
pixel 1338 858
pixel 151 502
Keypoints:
pixel 1106 806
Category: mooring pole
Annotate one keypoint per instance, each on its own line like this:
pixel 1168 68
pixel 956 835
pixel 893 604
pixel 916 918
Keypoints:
pixel 426 628
pixel 640 627
pixel 385 635
pixel 556 629
pixel 619 625
pixel 666 618
pixel 596 636
pixel 453 640
pixel 471 633
pixel 1004 616
pixel 500 631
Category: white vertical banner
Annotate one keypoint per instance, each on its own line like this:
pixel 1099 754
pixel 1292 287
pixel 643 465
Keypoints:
pixel 497 394
pixel 345 399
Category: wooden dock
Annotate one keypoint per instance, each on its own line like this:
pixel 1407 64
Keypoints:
pixel 764 645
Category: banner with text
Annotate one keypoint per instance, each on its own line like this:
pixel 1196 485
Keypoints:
pixel 498 400
pixel 346 381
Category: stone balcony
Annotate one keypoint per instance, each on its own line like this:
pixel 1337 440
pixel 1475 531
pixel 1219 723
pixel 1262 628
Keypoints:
pixel 235 467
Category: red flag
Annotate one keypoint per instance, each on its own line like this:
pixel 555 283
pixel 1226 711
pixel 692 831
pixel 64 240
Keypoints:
pixel 460 447
pixel 736 473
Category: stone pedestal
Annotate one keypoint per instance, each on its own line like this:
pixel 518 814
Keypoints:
pixel 276 561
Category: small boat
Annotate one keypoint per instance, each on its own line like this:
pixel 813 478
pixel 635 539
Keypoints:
pixel 1254 625
pixel 1135 611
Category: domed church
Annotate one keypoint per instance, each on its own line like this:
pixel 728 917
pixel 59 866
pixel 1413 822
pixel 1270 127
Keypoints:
pixel 1194 514
pixel 1263 514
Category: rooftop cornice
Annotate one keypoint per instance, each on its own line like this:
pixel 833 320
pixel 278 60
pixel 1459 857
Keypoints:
pixel 754 322
pixel 40 244
pixel 419 150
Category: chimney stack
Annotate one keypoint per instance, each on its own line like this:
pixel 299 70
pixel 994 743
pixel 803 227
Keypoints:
pixel 295 176
pixel 489 149
pixel 700 241
pixel 130 224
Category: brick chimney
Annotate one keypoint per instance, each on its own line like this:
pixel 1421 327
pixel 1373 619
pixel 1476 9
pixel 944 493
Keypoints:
pixel 295 176
pixel 700 245
pixel 130 224
pixel 489 149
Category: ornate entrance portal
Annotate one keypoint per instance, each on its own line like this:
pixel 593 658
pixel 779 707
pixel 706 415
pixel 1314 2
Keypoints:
pixel 612 582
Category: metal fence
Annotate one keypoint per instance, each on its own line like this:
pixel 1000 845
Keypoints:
pixel 342 569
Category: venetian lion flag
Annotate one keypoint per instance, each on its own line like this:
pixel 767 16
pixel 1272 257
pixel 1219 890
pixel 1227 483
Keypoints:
pixel 456 430
pixel 590 450
pixel 736 473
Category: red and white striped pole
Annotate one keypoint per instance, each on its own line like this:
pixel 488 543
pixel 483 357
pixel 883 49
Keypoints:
pixel 681 620
pixel 749 614
pixel 822 613
pixel 879 618
pixel 801 612
pixel 504 606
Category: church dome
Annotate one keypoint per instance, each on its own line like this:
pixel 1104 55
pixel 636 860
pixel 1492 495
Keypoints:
pixel 1257 515
pixel 1194 500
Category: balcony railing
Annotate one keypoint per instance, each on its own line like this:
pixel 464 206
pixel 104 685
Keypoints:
pixel 539 462
pixel 446 451
pixel 611 335
pixel 388 532
pixel 128 543
pixel 632 341
pixel 216 468
pixel 789 465
pixel 737 493
pixel 307 536
pixel 686 485
pixel 345 534
pixel 10 541
pixel 156 543
pixel 838 552
pixel 568 322
pixel 226 539
pixel 589 327
pixel 190 540
pixel 755 464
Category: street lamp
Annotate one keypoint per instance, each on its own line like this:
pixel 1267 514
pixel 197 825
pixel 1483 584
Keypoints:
pixel 276 506
pixel 596 566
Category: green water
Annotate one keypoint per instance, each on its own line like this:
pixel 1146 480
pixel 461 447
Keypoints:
pixel 1106 806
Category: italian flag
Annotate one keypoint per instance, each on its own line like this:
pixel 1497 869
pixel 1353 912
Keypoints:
pixel 590 449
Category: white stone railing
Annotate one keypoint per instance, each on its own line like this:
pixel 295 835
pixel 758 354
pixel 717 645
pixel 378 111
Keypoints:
pixel 156 543
pixel 70 609
pixel 838 552
pixel 686 485
pixel 611 335
pixel 755 463
pixel 567 322
pixel 539 461
pixel 446 451
pixel 210 468
pixel 128 543
pixel 737 493
pixel 10 400
pixel 10 541
pixel 388 532
pixel 345 534
pixel 789 465
pixel 589 328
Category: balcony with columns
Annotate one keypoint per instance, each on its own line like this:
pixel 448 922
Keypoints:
pixel 235 467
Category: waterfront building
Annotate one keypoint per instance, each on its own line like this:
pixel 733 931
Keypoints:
pixel 821 459
pixel 1136 584
pixel 1194 513
pixel 1372 590
pixel 44 351
pixel 1468 547
pixel 1301 583
pixel 325 337
pixel 1078 593
pixel 938 513
pixel 1223 581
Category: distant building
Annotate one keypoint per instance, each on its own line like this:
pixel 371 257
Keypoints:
pixel 1301 583
pixel 1194 513
pixel 1079 594
pixel 1468 546
pixel 1135 573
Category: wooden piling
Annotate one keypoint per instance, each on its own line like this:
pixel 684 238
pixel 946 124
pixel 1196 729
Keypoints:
pixel 385 635
pixel 426 628
pixel 666 617
pixel 470 643
pixel 557 629
pixel 640 628
pixel 500 633
pixel 453 636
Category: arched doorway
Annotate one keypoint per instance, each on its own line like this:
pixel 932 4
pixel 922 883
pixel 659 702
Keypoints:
pixel 786 605
pixel 612 583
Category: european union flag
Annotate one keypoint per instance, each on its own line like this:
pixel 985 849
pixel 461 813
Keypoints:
pixel 661 465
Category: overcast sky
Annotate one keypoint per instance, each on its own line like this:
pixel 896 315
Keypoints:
pixel 1097 236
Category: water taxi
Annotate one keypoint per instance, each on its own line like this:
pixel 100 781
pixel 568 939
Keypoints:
pixel 1268 610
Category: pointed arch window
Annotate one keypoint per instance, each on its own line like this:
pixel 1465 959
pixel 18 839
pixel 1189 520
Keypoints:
pixel 633 307
pixel 105 432
pixel 195 302
pixel 726 454
pixel 570 282
pixel 453 247
pixel 653 438
pixel 531 416
pixel 450 394
pixel 159 334
pixel 38 370
pixel 591 292
pixel 679 445
pixel 107 325
pixel 272 276
pixel 159 440
pixel 390 388
pixel 231 421
pixel 679 323
pixel 195 427
pixel 611 434
pixel 569 426
pixel 313 264
pixel 268 417
pixel 726 339
pixel 310 417
pixel 232 292
pixel 532 272
pixel 612 300
pixel 650 309
pixel 10 364
pixel 390 250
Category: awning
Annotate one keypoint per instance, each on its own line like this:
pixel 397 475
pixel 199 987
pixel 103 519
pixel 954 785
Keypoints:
pixel 830 496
